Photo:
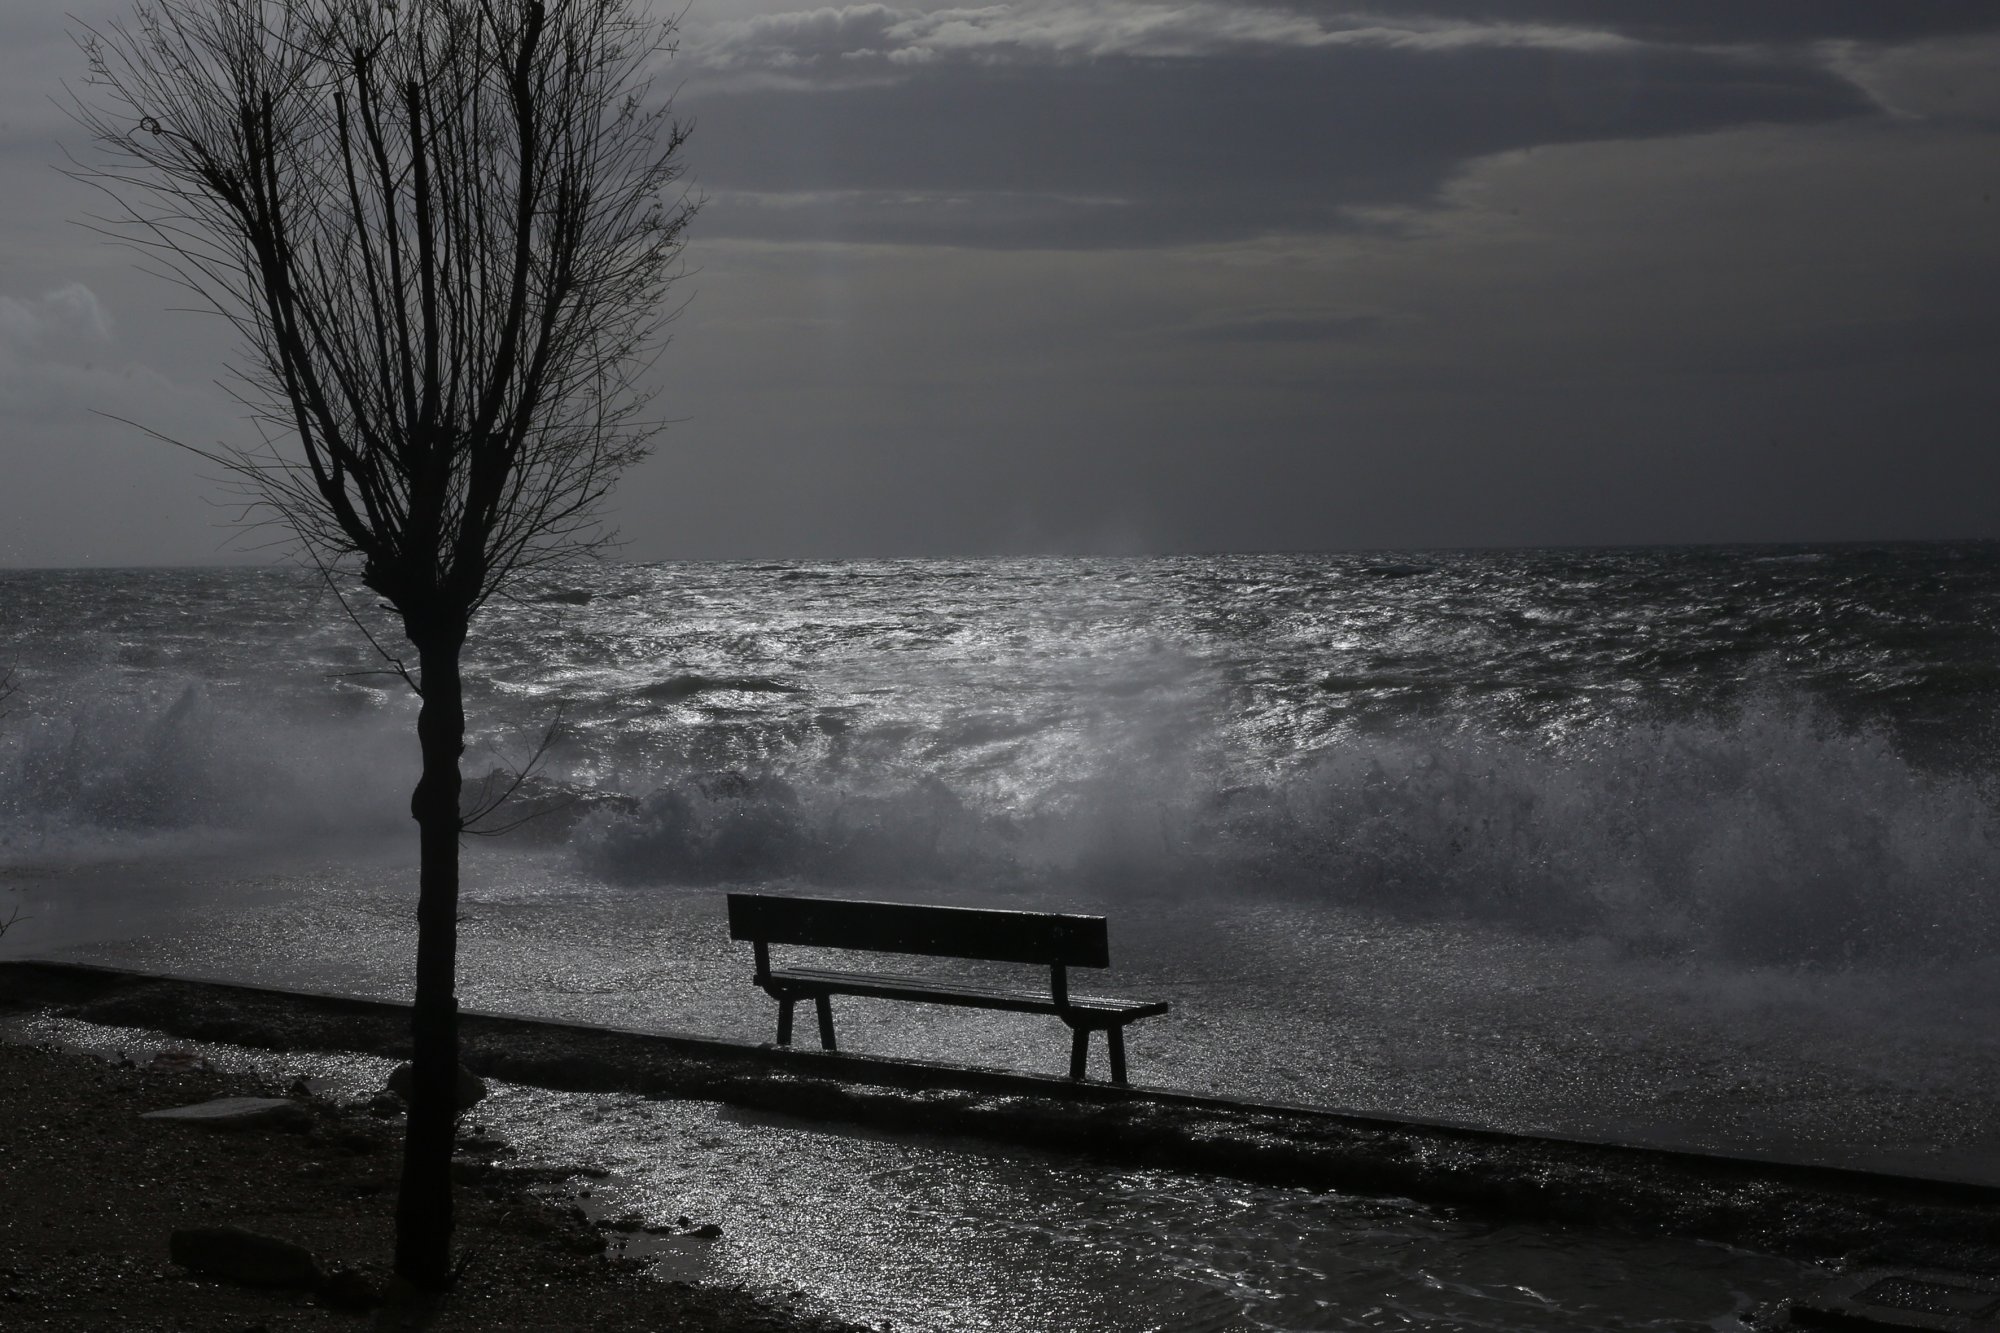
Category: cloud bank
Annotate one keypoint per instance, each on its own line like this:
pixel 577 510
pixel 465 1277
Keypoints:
pixel 1079 148
pixel 829 37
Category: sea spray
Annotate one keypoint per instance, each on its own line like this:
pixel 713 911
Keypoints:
pixel 1770 834
pixel 117 769
pixel 1730 754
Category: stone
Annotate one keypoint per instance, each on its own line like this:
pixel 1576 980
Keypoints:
pixel 471 1088
pixel 176 1061
pixel 238 1113
pixel 247 1257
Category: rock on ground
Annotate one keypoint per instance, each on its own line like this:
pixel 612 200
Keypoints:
pixel 250 1257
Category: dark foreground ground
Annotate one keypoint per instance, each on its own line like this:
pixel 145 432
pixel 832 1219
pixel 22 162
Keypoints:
pixel 90 1193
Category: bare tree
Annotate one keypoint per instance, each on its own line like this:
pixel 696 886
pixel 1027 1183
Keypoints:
pixel 7 688
pixel 444 230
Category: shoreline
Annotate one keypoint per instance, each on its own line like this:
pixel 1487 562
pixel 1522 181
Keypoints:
pixel 1807 1212
pixel 93 1193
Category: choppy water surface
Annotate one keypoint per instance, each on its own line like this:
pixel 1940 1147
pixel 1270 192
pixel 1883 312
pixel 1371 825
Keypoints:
pixel 1775 754
pixel 1695 846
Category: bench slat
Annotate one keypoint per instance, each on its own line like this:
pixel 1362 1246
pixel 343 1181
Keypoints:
pixel 988 934
pixel 943 990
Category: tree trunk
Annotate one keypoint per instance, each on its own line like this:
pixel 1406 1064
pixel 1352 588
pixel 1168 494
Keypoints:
pixel 424 1208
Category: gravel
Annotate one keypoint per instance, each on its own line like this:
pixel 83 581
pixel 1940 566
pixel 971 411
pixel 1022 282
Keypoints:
pixel 90 1194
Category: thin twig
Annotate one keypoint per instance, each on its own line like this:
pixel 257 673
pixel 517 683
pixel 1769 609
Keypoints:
pixel 489 804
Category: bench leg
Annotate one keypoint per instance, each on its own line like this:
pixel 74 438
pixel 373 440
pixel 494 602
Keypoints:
pixel 825 1022
pixel 785 1022
pixel 1115 1039
pixel 1079 1051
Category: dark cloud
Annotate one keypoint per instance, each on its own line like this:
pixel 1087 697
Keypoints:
pixel 1535 271
pixel 1718 21
pixel 1130 150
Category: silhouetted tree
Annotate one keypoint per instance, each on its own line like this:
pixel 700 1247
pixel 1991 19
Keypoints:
pixel 444 230
pixel 7 688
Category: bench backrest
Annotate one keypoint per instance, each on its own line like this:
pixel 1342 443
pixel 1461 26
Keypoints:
pixel 989 934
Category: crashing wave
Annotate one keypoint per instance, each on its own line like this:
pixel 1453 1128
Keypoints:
pixel 1772 835
pixel 1769 833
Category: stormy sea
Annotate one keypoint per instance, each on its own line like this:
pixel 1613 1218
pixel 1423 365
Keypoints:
pixel 1687 846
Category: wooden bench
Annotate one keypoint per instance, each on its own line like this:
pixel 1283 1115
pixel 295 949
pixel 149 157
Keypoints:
pixel 1054 940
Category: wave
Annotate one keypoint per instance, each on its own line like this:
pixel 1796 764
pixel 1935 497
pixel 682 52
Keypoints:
pixel 122 768
pixel 675 688
pixel 729 826
pixel 1770 835
pixel 1771 832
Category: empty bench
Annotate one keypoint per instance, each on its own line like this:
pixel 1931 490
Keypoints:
pixel 1053 940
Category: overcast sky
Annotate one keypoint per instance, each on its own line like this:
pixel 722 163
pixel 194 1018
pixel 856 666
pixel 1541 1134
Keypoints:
pixel 1112 276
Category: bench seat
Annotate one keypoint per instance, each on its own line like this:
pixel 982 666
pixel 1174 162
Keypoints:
pixel 943 990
